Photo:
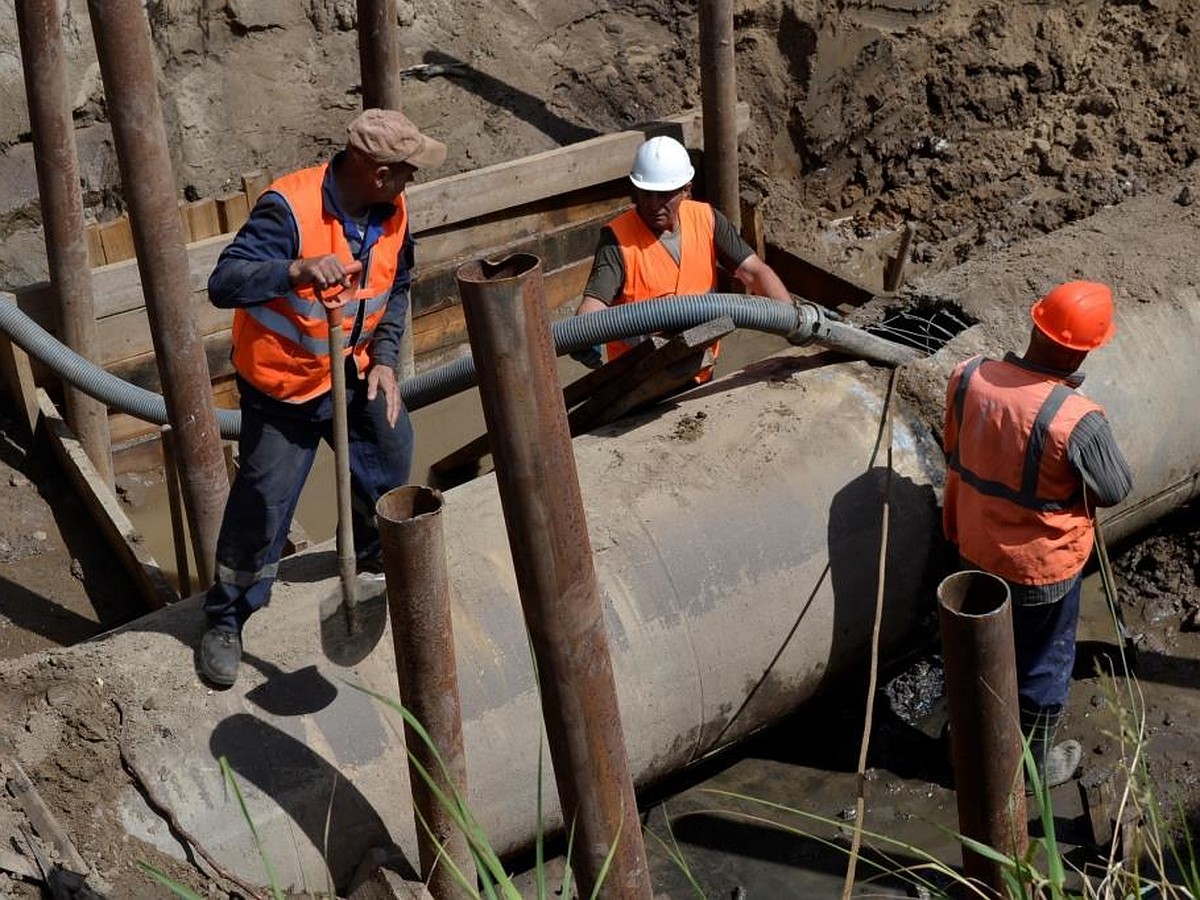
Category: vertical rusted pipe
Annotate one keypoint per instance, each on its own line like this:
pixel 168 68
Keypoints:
pixel 122 38
pixel 379 67
pixel 418 592
pixel 509 330
pixel 379 54
pixel 43 61
pixel 718 97
pixel 975 619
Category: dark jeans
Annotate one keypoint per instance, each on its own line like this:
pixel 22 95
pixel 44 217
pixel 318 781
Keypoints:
pixel 1045 644
pixel 276 454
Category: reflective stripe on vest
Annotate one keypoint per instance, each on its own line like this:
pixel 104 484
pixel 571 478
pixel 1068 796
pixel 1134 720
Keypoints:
pixel 650 270
pixel 286 326
pixel 1035 447
pixel 282 346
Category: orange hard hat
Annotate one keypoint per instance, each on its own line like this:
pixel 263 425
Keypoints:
pixel 1078 314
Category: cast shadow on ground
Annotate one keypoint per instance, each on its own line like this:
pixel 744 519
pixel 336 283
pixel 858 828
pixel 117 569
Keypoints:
pixel 36 614
pixel 499 93
pixel 726 834
pixel 308 789
pixel 1104 657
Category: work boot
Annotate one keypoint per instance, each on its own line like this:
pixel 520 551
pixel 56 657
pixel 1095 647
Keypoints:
pixel 1056 763
pixel 1061 763
pixel 220 656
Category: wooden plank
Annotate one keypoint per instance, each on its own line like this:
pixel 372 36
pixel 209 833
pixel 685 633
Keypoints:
pixel 462 464
pixel 447 326
pixel 117 239
pixel 753 231
pixel 95 247
pixel 814 282
pixel 19 384
pixel 232 210
pixel 520 181
pixel 43 820
pixel 116 286
pixel 671 368
pixel 458 242
pixel 254 183
pixel 126 543
pixel 437 286
pixel 203 219
pixel 184 222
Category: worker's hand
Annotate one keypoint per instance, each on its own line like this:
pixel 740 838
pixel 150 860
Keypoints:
pixel 588 356
pixel 328 276
pixel 383 378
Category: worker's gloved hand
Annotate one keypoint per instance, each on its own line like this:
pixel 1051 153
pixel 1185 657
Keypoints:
pixel 588 356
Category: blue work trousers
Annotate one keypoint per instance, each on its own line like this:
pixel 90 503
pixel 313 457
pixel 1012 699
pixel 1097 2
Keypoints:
pixel 1045 642
pixel 276 454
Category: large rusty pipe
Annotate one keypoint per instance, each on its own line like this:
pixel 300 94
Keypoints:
pixel 509 331
pixel 127 68
pixel 418 592
pixel 379 68
pixel 975 620
pixel 718 97
pixel 44 64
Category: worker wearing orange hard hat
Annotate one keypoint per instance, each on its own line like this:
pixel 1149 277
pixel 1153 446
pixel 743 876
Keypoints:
pixel 1029 460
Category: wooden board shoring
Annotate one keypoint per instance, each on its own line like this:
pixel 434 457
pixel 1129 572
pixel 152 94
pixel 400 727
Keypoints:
pixel 123 335
pixel 813 282
pixel 436 287
pixel 152 584
pixel 484 193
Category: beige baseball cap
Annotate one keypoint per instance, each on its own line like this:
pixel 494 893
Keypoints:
pixel 386 136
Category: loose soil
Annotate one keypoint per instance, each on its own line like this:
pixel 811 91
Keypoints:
pixel 982 123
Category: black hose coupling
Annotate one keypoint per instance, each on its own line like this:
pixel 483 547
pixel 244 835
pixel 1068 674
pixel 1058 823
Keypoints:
pixel 811 323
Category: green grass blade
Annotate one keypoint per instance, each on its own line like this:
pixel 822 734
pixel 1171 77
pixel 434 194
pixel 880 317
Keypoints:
pixel 272 880
pixel 169 883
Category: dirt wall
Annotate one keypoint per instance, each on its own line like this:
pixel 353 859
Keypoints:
pixel 981 122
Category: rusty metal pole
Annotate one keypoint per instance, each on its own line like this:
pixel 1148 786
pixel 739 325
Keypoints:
pixel 130 87
pixel 509 330
pixel 975 620
pixel 379 53
pixel 718 97
pixel 418 591
pixel 379 67
pixel 44 63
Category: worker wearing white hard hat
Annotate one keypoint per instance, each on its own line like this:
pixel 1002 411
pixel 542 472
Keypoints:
pixel 668 244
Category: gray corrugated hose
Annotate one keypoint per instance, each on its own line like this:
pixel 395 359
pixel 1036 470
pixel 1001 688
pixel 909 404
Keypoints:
pixel 801 324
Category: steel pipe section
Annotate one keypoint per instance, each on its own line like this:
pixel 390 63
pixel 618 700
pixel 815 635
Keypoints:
pixel 728 550
pixel 418 594
pixel 975 621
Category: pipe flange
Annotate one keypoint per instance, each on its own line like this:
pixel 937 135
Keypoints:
pixel 810 323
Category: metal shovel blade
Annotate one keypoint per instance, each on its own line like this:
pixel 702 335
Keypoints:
pixel 350 632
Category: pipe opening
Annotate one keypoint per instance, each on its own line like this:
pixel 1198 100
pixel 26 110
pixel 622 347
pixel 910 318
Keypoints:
pixel 926 324
pixel 502 268
pixel 408 502
pixel 972 593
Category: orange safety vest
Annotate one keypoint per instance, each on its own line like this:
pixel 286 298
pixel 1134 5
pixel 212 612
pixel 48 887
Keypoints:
pixel 650 272
pixel 1014 503
pixel 282 346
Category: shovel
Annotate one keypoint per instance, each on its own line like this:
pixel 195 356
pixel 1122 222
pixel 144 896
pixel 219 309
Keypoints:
pixel 350 629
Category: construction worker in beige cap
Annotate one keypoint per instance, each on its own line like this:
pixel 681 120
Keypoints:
pixel 313 233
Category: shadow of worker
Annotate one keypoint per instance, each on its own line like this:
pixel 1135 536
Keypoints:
pixel 913 563
pixel 333 814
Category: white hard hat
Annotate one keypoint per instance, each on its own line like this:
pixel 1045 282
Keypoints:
pixel 661 164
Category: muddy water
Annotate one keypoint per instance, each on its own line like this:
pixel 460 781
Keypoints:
pixel 439 429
